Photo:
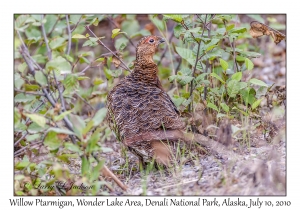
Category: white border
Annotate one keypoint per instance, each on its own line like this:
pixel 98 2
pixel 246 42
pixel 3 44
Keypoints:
pixel 151 6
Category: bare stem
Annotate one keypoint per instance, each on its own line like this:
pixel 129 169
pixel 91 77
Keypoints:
pixel 232 45
pixel 113 22
pixel 29 92
pixel 45 39
pixel 195 66
pixel 76 24
pixel 207 62
pixel 46 94
pixel 69 36
pixel 101 43
pixel 62 101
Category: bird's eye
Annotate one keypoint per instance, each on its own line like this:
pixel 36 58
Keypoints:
pixel 151 40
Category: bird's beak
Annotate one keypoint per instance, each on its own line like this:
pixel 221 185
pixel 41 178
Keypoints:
pixel 161 40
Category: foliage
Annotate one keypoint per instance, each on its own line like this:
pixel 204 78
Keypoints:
pixel 62 77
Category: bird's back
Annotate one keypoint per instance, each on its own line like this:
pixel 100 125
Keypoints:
pixel 135 106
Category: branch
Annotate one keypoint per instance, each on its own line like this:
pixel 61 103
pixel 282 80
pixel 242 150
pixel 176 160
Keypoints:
pixel 195 66
pixel 207 63
pixel 101 43
pixel 113 22
pixel 76 24
pixel 85 101
pixel 232 45
pixel 107 173
pixel 20 139
pixel 62 101
pixel 29 92
pixel 45 39
pixel 187 28
pixel 69 35
pixel 54 26
pixel 50 99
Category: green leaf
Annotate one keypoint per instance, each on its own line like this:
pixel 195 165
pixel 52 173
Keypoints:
pixel 121 43
pixel 40 78
pixel 224 64
pixel 178 30
pixel 79 36
pixel 57 42
pixel 33 137
pixel 85 166
pixel 157 22
pixel 18 81
pixel 233 88
pixel 20 21
pixel 21 98
pixel 237 76
pixel 248 95
pixel 186 54
pixel 176 18
pixel 99 116
pixel 256 103
pixel 224 107
pixel 72 147
pixel 257 82
pixel 115 32
pixel 258 18
pixel 52 141
pixel 229 27
pixel 38 119
pixel 62 115
pixel 244 113
pixel 178 101
pixel 97 81
pixel 61 130
pixel 238 30
pixel 217 77
pixel 84 60
pixel 51 20
pixel 96 170
pixel 210 105
pixel 243 85
pixel 60 64
pixel 249 64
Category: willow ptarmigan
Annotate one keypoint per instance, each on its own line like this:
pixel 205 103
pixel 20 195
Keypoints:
pixel 140 112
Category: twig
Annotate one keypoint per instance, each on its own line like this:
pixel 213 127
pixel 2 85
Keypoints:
pixel 108 173
pixel 187 28
pixel 29 92
pixel 85 101
pixel 76 24
pixel 69 35
pixel 101 43
pixel 207 62
pixel 84 70
pixel 45 39
pixel 113 22
pixel 165 50
pixel 195 66
pixel 62 101
pixel 232 45
pixel 53 26
pixel 51 99
pixel 20 139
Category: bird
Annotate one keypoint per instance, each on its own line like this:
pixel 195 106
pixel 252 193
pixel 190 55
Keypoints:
pixel 141 113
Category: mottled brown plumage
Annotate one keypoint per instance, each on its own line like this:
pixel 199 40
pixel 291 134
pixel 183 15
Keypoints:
pixel 140 111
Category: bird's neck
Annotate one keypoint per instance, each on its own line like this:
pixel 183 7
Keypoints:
pixel 145 69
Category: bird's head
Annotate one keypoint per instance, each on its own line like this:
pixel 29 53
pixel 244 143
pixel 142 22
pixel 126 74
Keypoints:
pixel 148 45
